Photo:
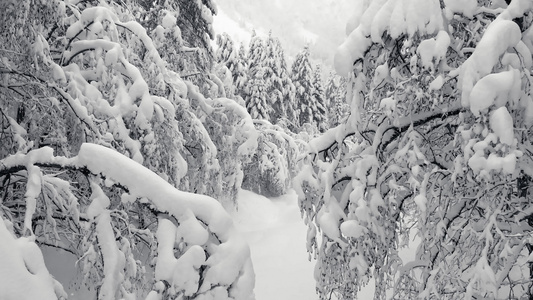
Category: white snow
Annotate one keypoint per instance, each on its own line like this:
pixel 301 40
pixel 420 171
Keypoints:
pixel 351 228
pixel 169 20
pixel 499 36
pixel 182 271
pixel 23 274
pixel 329 222
pixel 381 73
pixel 33 189
pixel 465 7
pixel 113 258
pixel 388 104
pixel 437 83
pixel 228 263
pixel 396 17
pixel 497 87
pixel 351 50
pixel 501 122
pixel 277 238
pixel 433 49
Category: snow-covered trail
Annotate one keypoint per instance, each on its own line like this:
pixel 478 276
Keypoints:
pixel 276 235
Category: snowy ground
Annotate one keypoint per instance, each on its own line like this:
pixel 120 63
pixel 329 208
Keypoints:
pixel 276 235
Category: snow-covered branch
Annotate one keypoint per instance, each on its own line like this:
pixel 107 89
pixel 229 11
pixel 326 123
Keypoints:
pixel 434 147
pixel 226 266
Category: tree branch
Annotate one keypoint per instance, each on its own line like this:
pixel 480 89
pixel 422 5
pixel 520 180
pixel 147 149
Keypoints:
pixel 421 120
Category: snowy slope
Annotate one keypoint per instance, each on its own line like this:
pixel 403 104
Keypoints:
pixel 276 235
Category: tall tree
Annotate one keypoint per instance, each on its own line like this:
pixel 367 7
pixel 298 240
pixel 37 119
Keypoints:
pixel 226 56
pixel 256 54
pixel 302 78
pixel 239 71
pixel 279 85
pixel 196 25
pixel 319 99
pixel 257 100
pixel 226 52
pixel 193 57
pixel 437 146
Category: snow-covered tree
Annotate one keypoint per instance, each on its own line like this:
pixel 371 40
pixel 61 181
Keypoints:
pixel 226 52
pixel 279 85
pixel 226 56
pixel 256 53
pixel 337 108
pixel 125 212
pixel 435 156
pixel 319 99
pixel 257 100
pixel 302 78
pixel 194 57
pixel 197 26
pixel 239 71
pixel 97 132
pixel 274 164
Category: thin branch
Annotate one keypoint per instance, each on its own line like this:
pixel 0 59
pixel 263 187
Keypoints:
pixel 417 122
pixel 76 54
pixel 57 247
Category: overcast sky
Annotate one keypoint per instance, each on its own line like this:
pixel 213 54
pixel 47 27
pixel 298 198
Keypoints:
pixel 321 23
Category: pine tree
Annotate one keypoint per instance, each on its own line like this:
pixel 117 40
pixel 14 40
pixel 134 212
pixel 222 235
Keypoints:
pixel 256 54
pixel 225 53
pixel 319 101
pixel 196 24
pixel 301 76
pixel 258 104
pixel 239 71
pixel 257 101
pixel 279 85
pixel 226 56
pixel 196 57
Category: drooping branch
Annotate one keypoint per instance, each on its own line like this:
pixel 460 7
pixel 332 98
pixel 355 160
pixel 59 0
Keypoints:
pixel 71 102
pixel 4 170
pixel 381 131
pixel 415 122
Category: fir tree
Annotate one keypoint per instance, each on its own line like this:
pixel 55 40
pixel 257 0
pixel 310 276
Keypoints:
pixel 239 72
pixel 225 53
pixel 256 54
pixel 256 94
pixel 279 85
pixel 302 78
pixel 258 104
pixel 226 57
pixel 319 101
